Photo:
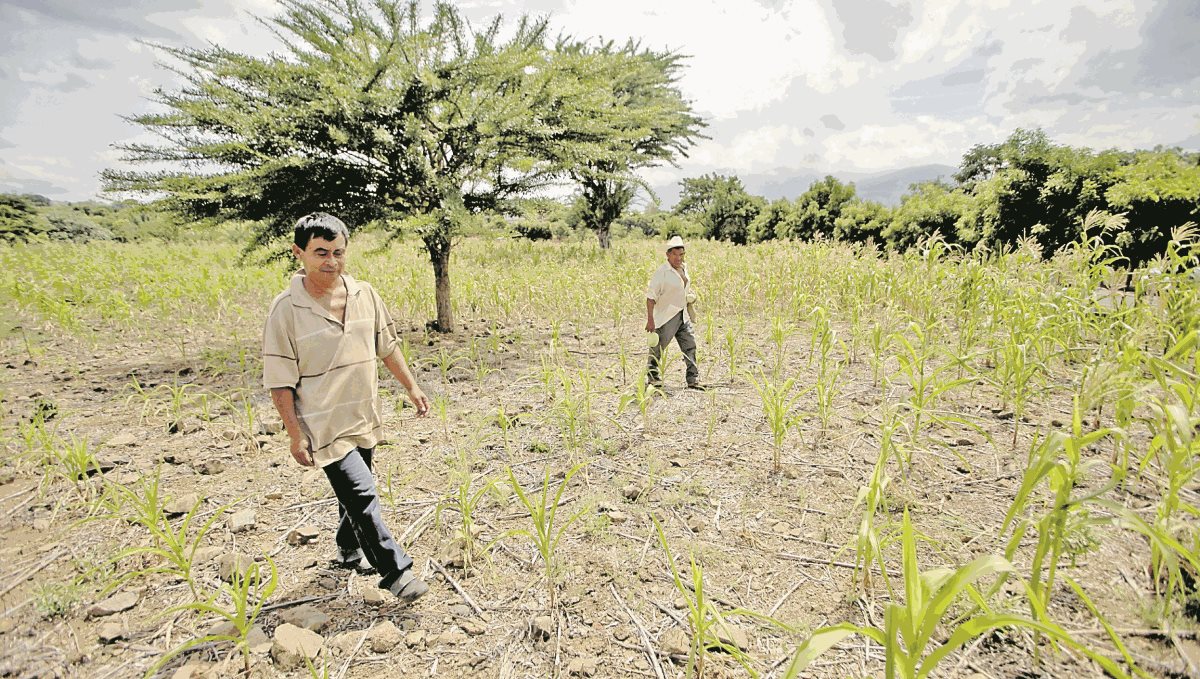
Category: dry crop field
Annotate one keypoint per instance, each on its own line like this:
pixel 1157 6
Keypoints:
pixel 930 464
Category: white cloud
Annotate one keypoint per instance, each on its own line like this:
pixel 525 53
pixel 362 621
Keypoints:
pixel 743 55
pixel 883 147
pixel 760 71
pixel 751 150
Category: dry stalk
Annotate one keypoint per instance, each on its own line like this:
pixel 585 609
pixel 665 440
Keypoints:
pixel 647 646
pixel 458 588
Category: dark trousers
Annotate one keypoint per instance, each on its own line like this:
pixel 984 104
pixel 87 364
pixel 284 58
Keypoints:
pixel 360 520
pixel 681 331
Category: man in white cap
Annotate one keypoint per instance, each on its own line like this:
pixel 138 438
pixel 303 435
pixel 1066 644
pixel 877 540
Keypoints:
pixel 668 297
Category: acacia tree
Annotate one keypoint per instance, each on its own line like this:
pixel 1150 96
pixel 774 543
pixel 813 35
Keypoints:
pixel 373 112
pixel 642 117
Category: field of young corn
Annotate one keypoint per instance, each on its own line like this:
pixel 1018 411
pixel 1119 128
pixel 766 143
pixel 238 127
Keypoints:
pixel 931 464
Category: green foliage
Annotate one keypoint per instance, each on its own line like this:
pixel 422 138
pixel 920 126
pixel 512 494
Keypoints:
pixel 818 208
pixel 859 220
pixel 382 112
pixel 32 217
pixel 907 634
pixel 722 206
pixel 640 117
pixel 775 220
pixel 931 207
pixel 546 530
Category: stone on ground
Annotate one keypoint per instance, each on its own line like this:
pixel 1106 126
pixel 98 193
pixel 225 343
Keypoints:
pixel 293 644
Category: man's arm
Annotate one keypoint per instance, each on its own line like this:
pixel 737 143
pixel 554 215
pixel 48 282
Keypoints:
pixel 399 368
pixel 284 399
pixel 649 315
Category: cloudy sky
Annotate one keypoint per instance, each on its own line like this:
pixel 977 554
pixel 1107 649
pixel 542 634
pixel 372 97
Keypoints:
pixel 787 86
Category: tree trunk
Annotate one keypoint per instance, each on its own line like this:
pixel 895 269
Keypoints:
pixel 604 233
pixel 438 245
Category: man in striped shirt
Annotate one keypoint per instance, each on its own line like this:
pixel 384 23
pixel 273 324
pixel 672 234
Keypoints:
pixel 322 338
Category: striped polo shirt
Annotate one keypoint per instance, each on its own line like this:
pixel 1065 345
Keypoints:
pixel 330 364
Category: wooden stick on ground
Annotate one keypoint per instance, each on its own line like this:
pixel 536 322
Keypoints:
pixel 297 602
pixel 346 665
pixel 458 588
pixel 31 572
pixel 647 646
pixel 784 598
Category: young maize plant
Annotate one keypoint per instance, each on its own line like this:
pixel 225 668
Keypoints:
pixel 778 406
pixel 642 396
pixel 1016 368
pixel 72 461
pixel 1175 448
pixel 733 349
pixel 546 532
pixel 1057 461
pixel 829 370
pixel 873 498
pixel 909 628
pixel 927 383
pixel 172 550
pixel 708 628
pixel 247 593
pixel 467 491
pixel 781 330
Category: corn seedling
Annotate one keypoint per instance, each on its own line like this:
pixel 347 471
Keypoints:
pixel 708 628
pixel 780 331
pixel 1057 461
pixel 778 406
pixel 1014 371
pixel 466 492
pixel 73 461
pixel 173 548
pixel 440 405
pixel 907 634
pixel 873 498
pixel 546 531
pixel 642 396
pixel 447 362
pixel 926 382
pixel 176 401
pixel 733 350
pixel 143 397
pixel 505 421
pixel 246 592
pixel 1174 446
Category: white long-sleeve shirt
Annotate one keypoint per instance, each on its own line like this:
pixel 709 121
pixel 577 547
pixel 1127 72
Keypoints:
pixel 669 293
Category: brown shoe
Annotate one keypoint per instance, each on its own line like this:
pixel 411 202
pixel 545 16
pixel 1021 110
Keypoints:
pixel 697 386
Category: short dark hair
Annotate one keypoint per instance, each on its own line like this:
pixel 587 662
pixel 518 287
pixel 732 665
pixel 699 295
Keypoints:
pixel 321 225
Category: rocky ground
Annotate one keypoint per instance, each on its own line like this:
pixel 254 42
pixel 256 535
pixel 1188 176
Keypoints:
pixel 778 544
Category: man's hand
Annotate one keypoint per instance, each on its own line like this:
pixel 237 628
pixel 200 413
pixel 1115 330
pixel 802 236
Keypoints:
pixel 301 453
pixel 650 325
pixel 419 400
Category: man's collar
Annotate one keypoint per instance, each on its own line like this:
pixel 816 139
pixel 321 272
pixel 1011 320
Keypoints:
pixel 300 294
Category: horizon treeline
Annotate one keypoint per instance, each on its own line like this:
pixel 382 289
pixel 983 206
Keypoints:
pixel 1026 187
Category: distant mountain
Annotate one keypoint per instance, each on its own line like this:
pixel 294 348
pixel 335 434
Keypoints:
pixel 886 187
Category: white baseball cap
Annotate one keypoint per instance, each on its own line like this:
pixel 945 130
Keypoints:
pixel 675 242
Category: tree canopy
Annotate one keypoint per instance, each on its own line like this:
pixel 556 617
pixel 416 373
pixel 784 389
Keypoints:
pixel 641 115
pixel 375 112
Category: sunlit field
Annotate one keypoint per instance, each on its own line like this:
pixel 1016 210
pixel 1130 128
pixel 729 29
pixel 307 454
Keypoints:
pixel 940 463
